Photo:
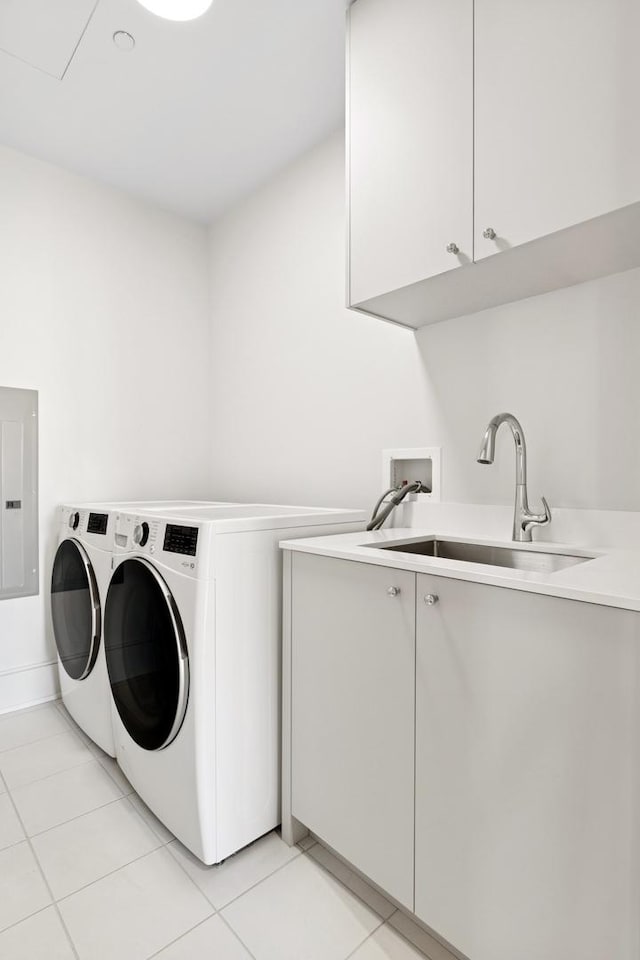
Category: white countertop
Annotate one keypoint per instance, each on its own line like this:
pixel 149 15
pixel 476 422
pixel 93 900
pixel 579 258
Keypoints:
pixel 612 578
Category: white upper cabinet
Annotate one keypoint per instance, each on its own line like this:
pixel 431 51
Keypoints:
pixel 505 131
pixel 410 79
pixel 557 99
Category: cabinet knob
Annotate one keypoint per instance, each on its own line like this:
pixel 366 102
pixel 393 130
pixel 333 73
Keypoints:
pixel 453 248
pixel 393 591
pixel 431 599
pixel 489 233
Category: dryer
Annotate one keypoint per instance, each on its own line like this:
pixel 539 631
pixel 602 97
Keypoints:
pixel 192 643
pixel 79 581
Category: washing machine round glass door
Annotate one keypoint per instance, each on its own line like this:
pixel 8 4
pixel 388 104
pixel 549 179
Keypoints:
pixel 75 609
pixel 146 654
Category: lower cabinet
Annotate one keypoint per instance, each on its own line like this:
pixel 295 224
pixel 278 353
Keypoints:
pixel 527 737
pixel 352 713
pixel 507 723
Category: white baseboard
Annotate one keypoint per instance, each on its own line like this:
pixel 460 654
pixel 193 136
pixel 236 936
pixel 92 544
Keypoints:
pixel 28 686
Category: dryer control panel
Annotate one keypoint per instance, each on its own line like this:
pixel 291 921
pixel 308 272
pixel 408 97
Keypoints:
pixel 179 539
pixel 165 541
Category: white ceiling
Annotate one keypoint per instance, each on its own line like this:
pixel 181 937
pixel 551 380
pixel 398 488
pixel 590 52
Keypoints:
pixel 196 116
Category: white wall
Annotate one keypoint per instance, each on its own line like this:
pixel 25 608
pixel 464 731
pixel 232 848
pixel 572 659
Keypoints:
pixel 307 394
pixel 104 310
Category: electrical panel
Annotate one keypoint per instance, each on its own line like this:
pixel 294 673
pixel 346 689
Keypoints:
pixel 18 493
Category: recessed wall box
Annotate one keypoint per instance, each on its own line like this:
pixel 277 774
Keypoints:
pixel 413 463
pixel 18 493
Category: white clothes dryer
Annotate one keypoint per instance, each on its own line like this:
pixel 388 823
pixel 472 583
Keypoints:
pixel 80 577
pixel 192 644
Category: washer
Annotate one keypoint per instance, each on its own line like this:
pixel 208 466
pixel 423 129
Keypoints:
pixel 192 642
pixel 79 581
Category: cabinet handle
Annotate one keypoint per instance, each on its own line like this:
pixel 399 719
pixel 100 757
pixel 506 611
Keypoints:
pixel 489 233
pixel 453 248
pixel 393 591
pixel 431 599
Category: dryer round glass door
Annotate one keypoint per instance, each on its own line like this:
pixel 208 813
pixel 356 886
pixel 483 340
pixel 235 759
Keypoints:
pixel 75 609
pixel 146 654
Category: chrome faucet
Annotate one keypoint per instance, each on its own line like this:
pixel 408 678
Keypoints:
pixel 523 519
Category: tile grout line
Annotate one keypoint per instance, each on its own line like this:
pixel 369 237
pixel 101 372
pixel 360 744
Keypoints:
pixel 163 843
pixel 252 887
pixel 50 776
pixel 87 813
pixel 398 933
pixel 92 883
pixel 237 936
pixel 354 894
pixel 54 902
pixel 367 938
pixel 29 743
pixel 30 783
pixel 218 911
pixel 108 772
pixel 385 920
pixel 178 939
pixel 326 869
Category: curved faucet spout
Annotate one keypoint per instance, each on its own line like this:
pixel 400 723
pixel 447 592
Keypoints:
pixel 488 448
pixel 523 519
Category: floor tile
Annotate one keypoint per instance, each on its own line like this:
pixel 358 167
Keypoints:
pixel 150 819
pixel 42 759
pixel 79 732
pixel 27 726
pixel 22 889
pixel 301 912
pixel 83 850
pixel 386 944
pixel 212 939
pixel 243 870
pixel 10 827
pixel 431 947
pixel 110 765
pixel 64 796
pixel 133 913
pixel 360 887
pixel 41 937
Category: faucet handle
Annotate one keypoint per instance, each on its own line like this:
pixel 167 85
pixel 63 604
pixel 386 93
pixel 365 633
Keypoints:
pixel 547 512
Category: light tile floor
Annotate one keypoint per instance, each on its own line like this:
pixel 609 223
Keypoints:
pixel 88 873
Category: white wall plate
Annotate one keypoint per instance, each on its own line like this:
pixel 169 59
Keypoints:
pixel 413 463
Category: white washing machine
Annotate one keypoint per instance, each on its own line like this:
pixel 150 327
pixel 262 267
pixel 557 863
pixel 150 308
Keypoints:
pixel 192 643
pixel 79 581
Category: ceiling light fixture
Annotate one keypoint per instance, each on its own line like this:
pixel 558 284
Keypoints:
pixel 177 9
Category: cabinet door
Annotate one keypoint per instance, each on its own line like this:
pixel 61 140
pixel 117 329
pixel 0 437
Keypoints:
pixel 353 657
pixel 557 130
pixel 410 141
pixel 526 774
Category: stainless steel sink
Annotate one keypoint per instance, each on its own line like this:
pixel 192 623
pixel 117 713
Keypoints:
pixel 516 557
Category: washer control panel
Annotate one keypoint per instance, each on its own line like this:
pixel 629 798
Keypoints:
pixel 97 523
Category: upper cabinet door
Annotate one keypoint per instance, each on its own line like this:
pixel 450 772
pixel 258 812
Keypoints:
pixel 557 134
pixel 410 141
